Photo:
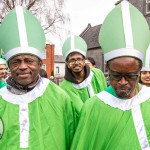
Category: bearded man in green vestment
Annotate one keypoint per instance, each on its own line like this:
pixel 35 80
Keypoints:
pixel 80 81
pixel 118 117
pixel 35 114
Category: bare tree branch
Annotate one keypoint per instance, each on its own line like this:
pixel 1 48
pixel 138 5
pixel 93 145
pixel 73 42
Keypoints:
pixel 31 4
pixel 49 12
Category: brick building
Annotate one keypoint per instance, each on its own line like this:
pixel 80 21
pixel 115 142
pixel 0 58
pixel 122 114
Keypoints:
pixel 48 61
pixel 90 35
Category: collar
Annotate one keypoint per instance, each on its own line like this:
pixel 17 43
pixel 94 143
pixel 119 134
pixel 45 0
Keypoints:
pixel 18 89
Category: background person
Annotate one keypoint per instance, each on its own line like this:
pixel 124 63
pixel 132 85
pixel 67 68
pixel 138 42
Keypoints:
pixel 90 62
pixel 79 81
pixel 144 78
pixel 118 117
pixel 35 113
pixel 43 73
pixel 3 67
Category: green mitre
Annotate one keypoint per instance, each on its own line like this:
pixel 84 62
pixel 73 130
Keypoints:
pixel 21 33
pixel 146 62
pixel 124 32
pixel 74 44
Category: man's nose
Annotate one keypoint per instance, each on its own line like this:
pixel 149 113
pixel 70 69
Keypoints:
pixel 4 70
pixel 123 80
pixel 22 65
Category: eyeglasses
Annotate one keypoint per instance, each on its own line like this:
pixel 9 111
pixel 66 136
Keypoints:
pixel 128 77
pixel 73 61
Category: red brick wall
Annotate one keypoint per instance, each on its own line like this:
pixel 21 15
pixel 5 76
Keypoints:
pixel 49 61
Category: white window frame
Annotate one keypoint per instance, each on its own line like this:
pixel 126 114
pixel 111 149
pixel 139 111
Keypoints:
pixel 57 69
pixel 44 66
pixel 147 7
pixel 44 54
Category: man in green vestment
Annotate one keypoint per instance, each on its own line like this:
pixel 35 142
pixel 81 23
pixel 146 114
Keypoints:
pixel 35 114
pixel 3 67
pixel 118 117
pixel 80 81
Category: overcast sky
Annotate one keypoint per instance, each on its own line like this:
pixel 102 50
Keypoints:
pixel 83 12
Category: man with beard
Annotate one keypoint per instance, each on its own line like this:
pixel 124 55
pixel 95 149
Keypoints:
pixel 3 67
pixel 118 117
pixel 80 82
pixel 35 113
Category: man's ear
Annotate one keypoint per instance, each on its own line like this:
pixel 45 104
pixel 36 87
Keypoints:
pixel 67 64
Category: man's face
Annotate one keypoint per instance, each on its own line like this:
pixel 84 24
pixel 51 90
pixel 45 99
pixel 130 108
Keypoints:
pixel 24 69
pixel 124 74
pixel 89 63
pixel 76 63
pixel 2 71
pixel 145 77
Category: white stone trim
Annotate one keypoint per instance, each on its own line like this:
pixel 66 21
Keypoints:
pixel 123 52
pixel 21 27
pixel 24 50
pixel 127 24
pixel 139 126
pixel 86 83
pixel 124 105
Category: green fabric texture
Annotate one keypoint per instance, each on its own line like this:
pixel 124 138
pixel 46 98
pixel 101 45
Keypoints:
pixel 79 96
pixel 79 46
pixel 2 83
pixel 111 26
pixel 111 90
pixel 102 127
pixel 51 122
pixel 112 31
pixel 10 36
pixel 140 29
pixel 7 33
pixel 35 33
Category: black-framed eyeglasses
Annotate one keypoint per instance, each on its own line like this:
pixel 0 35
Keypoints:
pixel 73 61
pixel 128 76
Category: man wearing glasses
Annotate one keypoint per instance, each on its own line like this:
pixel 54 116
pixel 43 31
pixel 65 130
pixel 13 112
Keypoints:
pixel 80 82
pixel 118 118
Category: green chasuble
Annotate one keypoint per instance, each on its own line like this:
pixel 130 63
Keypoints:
pixel 92 85
pixel 2 83
pixel 42 119
pixel 110 123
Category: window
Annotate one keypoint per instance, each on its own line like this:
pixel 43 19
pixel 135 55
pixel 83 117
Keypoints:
pixel 57 69
pixel 44 66
pixel 44 54
pixel 147 7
